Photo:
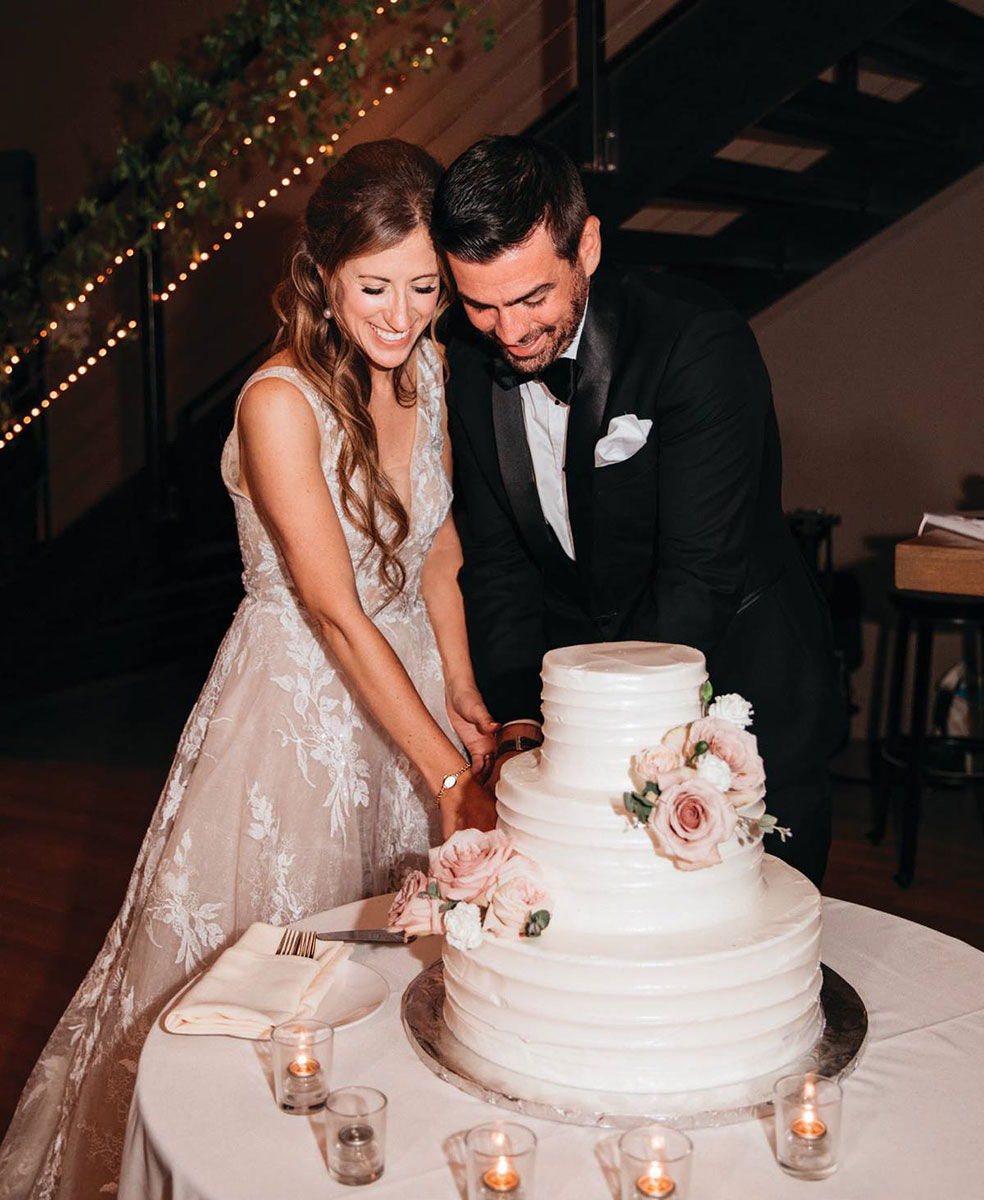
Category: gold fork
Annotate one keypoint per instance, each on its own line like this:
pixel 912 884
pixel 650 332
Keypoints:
pixel 300 943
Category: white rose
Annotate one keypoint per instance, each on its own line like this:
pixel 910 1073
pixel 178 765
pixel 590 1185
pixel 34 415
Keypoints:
pixel 733 708
pixel 715 770
pixel 463 926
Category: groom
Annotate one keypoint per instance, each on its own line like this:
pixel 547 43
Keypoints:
pixel 617 462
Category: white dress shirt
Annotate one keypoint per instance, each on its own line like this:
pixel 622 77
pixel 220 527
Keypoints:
pixel 546 435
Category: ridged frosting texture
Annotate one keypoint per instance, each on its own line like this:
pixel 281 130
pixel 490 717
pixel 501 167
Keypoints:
pixel 651 1014
pixel 604 702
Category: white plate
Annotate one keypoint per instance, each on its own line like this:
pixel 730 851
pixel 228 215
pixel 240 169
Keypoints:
pixel 355 996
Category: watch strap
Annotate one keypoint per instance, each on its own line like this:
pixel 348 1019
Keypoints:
pixel 515 744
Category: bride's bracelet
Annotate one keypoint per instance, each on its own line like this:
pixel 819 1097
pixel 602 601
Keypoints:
pixel 448 782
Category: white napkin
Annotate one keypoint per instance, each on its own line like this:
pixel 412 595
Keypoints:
pixel 626 435
pixel 250 988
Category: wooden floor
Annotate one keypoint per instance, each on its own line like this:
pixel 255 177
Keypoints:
pixel 76 799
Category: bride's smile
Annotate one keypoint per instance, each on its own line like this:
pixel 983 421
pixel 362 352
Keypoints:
pixel 386 300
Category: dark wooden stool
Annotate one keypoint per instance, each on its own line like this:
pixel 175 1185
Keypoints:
pixel 925 614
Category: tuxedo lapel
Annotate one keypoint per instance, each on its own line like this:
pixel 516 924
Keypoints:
pixel 516 467
pixel 595 357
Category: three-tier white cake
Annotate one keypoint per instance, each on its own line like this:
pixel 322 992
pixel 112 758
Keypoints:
pixel 649 978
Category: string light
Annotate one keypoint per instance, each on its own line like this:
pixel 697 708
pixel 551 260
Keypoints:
pixel 117 338
pixel 202 184
pixel 326 149
pixel 92 359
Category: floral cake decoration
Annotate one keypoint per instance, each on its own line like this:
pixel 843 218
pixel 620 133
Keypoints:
pixel 691 788
pixel 476 884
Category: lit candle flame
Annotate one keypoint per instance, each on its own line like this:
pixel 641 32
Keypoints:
pixel 303 1066
pixel 502 1177
pixel 655 1182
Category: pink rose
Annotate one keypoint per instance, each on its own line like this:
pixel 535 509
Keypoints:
pixel 654 765
pixel 739 750
pixel 667 779
pixel 412 910
pixel 468 864
pixel 690 821
pixel 519 893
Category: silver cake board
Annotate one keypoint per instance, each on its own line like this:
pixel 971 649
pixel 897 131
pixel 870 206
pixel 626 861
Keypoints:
pixel 835 1055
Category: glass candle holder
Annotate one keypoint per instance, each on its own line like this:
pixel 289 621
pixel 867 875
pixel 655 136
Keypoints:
pixel 355 1120
pixel 654 1160
pixel 500 1160
pixel 302 1051
pixel 807 1114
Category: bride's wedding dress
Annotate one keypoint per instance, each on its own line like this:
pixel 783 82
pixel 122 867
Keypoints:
pixel 284 798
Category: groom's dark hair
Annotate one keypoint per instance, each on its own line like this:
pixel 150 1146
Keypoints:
pixel 498 191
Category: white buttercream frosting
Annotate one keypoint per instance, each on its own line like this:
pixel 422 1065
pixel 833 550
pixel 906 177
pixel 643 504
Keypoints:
pixel 648 978
pixel 603 703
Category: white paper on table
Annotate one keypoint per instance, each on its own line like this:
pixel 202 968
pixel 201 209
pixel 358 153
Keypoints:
pixel 972 527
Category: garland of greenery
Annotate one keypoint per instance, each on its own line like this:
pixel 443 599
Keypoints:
pixel 199 113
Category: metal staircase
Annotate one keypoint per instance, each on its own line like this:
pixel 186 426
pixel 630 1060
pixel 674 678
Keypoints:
pixel 756 144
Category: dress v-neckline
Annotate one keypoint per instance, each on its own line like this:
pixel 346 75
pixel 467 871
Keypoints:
pixel 408 470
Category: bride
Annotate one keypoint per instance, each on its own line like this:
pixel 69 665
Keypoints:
pixel 323 757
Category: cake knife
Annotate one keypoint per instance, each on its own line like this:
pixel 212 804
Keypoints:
pixel 381 937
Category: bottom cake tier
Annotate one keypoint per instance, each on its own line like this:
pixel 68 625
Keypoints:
pixel 660 1014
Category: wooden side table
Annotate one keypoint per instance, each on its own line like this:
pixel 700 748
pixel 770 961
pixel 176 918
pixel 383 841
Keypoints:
pixel 940 561
pixel 939 580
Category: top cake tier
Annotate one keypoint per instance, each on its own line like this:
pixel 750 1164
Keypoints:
pixel 603 703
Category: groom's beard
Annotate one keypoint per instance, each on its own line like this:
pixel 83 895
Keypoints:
pixel 559 336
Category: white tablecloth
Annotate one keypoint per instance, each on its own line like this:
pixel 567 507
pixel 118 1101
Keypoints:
pixel 204 1126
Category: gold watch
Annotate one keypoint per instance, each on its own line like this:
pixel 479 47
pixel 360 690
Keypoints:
pixel 448 782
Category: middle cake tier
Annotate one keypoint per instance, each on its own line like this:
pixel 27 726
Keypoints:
pixel 603 874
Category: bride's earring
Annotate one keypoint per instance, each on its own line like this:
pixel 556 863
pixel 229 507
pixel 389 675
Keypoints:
pixel 327 314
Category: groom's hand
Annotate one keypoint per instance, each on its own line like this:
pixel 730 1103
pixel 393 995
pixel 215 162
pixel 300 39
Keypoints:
pixel 473 723
pixel 513 738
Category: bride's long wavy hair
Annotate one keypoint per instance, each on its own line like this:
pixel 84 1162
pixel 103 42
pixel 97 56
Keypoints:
pixel 374 196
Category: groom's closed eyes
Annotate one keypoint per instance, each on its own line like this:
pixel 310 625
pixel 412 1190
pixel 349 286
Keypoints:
pixel 530 299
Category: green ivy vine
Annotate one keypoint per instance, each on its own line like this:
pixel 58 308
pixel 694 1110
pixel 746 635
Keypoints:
pixel 210 107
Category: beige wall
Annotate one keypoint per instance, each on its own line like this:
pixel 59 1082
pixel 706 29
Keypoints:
pixel 878 372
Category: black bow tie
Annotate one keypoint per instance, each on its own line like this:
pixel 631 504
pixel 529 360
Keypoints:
pixel 559 377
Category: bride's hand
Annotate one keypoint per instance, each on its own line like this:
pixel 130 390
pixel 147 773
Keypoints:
pixel 473 724
pixel 467 806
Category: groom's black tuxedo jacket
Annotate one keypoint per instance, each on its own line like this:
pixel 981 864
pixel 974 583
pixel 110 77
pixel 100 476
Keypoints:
pixel 684 541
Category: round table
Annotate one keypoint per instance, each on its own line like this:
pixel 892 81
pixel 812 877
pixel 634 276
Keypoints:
pixel 203 1125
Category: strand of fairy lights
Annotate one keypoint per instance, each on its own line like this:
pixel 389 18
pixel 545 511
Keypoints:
pixel 90 286
pixel 91 360
pixel 251 210
pixel 326 149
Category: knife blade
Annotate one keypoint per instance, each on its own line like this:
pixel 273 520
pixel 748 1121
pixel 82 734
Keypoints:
pixel 381 937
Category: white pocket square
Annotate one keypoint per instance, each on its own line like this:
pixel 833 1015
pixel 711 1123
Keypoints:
pixel 626 435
